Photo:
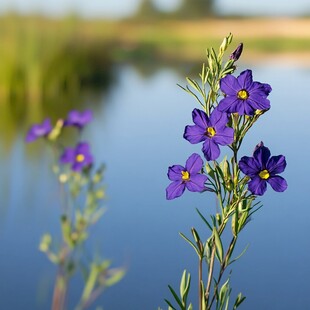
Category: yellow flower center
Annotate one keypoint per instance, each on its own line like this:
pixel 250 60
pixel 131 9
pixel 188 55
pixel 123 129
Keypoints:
pixel 185 175
pixel 243 94
pixel 79 158
pixel 264 174
pixel 211 132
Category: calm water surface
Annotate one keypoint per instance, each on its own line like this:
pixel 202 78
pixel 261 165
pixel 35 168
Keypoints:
pixel 137 133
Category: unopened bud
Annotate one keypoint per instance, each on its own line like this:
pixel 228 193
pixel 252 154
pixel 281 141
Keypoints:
pixel 235 55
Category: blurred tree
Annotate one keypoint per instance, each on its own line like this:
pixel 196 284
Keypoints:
pixel 189 9
pixel 147 10
pixel 196 9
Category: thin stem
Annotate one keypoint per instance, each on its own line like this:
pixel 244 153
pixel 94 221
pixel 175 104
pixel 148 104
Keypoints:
pixel 199 282
pixel 210 274
pixel 60 291
pixel 223 266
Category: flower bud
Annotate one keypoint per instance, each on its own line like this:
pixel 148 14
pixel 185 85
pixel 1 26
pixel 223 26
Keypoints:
pixel 235 55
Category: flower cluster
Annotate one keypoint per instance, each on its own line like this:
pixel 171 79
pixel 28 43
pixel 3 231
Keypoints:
pixel 224 123
pixel 79 157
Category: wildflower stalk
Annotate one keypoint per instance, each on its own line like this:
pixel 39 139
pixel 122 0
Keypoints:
pixel 221 123
pixel 81 194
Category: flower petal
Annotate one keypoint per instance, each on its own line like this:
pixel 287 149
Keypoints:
pixel 68 156
pixel 194 134
pixel 276 164
pixel 196 183
pixel 194 164
pixel 224 136
pixel 258 102
pixel 229 85
pixel 210 149
pixel 245 79
pixel 278 183
pixel 249 166
pixel 175 172
pixel 200 118
pixel 257 186
pixel 229 104
pixel 174 190
pixel 218 119
pixel 262 154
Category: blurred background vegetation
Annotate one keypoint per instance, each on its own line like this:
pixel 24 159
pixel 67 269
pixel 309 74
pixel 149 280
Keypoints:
pixel 50 65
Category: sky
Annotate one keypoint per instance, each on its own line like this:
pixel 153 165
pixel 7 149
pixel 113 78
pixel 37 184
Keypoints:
pixel 123 8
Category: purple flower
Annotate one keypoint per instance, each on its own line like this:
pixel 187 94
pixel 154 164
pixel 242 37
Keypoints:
pixel 79 156
pixel 263 169
pixel 212 130
pixel 39 130
pixel 186 177
pixel 242 95
pixel 235 55
pixel 78 119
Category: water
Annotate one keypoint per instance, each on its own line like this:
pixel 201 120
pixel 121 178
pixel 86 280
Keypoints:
pixel 137 133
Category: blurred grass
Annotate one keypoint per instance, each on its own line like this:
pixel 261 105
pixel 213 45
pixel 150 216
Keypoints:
pixel 49 66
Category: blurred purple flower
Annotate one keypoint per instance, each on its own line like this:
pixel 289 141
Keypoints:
pixel 235 55
pixel 79 156
pixel 242 95
pixel 186 177
pixel 263 169
pixel 39 130
pixel 78 119
pixel 212 130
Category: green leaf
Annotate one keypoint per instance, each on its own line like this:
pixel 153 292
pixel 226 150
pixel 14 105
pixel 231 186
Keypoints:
pixel 204 219
pixel 245 249
pixel 115 276
pixel 194 84
pixel 176 297
pixel 185 286
pixel 169 304
pixel 218 244
pixel 191 243
pixel 239 300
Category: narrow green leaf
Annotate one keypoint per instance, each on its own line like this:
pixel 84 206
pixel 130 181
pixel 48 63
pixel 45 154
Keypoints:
pixel 169 304
pixel 236 258
pixel 176 297
pixel 191 243
pixel 218 244
pixel 204 219
pixel 194 84
pixel 240 299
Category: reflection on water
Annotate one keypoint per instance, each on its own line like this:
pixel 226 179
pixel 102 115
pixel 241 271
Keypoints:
pixel 137 132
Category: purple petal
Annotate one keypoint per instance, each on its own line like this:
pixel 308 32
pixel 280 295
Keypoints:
pixel 277 183
pixel 174 190
pixel 245 79
pixel 68 156
pixel 194 134
pixel 276 164
pixel 200 118
pixel 175 173
pixel 230 104
pixel 218 119
pixel 210 149
pixel 249 166
pixel 79 119
pixel 224 136
pixel 262 154
pixel 257 186
pixel 196 183
pixel 258 102
pixel 229 85
pixel 194 164
pixel 77 166
pixel 260 89
pixel 39 130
